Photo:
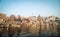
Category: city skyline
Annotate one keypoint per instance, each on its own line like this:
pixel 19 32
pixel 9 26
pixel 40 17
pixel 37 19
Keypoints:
pixel 30 7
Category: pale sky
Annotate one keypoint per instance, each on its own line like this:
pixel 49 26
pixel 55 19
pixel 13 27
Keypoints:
pixel 27 7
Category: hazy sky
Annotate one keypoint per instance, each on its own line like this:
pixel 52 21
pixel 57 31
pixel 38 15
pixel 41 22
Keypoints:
pixel 29 7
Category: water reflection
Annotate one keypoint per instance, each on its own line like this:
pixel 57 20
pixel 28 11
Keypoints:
pixel 6 33
pixel 28 35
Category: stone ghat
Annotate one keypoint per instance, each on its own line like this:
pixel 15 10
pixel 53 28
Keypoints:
pixel 47 26
pixel 43 28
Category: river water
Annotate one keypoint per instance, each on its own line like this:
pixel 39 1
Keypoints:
pixel 27 35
